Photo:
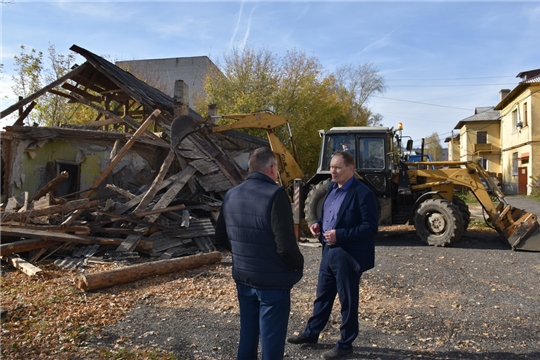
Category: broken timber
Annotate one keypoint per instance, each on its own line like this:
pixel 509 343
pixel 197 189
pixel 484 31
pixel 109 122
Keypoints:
pixel 136 272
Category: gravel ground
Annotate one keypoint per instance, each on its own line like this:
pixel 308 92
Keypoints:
pixel 475 300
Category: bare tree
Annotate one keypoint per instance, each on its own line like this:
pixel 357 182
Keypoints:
pixel 433 147
pixel 356 84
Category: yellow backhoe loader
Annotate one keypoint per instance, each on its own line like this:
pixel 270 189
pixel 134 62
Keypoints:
pixel 422 194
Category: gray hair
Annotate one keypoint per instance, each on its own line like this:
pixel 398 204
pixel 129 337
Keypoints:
pixel 261 159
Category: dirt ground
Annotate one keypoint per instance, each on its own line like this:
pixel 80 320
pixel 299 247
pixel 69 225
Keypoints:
pixel 474 300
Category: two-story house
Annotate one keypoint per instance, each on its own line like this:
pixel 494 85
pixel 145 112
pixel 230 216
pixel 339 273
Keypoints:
pixel 520 134
pixel 480 139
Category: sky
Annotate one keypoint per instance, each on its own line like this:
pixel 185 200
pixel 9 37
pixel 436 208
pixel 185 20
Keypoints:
pixel 440 59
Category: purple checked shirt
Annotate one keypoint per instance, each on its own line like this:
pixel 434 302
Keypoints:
pixel 332 204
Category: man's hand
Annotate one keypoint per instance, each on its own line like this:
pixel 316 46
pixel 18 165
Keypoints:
pixel 330 237
pixel 315 229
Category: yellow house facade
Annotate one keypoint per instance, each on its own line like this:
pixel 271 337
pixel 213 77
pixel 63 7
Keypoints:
pixel 453 147
pixel 520 135
pixel 480 139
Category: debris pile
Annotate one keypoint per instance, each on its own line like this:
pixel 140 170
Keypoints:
pixel 170 218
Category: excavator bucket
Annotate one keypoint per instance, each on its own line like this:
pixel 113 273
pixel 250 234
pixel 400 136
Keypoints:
pixel 181 127
pixel 519 228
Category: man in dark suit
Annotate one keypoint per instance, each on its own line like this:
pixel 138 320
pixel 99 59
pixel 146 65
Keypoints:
pixel 346 230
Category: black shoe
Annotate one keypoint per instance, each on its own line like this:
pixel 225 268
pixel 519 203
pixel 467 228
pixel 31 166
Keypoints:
pixel 335 353
pixel 301 339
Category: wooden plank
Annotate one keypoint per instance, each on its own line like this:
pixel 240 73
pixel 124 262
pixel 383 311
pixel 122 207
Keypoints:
pixel 171 193
pixel 130 243
pixel 133 202
pixel 154 188
pixel 219 158
pixel 121 191
pixel 122 152
pixel 49 210
pixel 159 211
pixel 74 229
pixel 23 265
pixel 80 239
pixel 114 217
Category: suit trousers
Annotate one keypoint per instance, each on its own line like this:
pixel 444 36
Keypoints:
pixel 338 274
pixel 264 313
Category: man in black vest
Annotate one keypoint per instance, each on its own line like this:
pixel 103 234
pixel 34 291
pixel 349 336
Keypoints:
pixel 346 230
pixel 256 225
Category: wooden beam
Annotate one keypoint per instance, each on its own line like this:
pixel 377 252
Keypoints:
pixel 37 94
pixel 80 239
pixel 51 185
pixel 24 114
pixel 49 210
pixel 81 92
pixel 120 191
pixel 121 153
pixel 23 265
pixel 25 245
pixel 73 229
pixel 140 271
pixel 159 210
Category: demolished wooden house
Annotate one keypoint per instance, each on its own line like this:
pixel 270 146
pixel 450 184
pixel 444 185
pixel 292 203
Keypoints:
pixel 115 186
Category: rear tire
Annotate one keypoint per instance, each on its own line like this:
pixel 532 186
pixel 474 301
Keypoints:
pixel 438 222
pixel 464 210
pixel 315 201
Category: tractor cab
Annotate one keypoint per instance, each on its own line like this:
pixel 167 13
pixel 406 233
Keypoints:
pixel 371 148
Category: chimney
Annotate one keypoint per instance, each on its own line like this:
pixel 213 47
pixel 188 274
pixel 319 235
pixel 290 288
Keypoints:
pixel 503 93
pixel 212 112
pixel 181 98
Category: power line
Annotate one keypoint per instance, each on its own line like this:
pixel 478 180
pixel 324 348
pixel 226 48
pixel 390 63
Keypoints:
pixel 421 103
pixel 447 85
pixel 466 78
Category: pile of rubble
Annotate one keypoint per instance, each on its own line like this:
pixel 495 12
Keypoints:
pixel 170 218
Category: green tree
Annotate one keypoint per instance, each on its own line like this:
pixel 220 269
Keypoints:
pixel 295 86
pixel 33 73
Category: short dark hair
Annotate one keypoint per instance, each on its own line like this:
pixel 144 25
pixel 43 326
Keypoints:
pixel 261 159
pixel 348 158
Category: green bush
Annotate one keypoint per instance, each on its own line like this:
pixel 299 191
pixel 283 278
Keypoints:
pixel 535 183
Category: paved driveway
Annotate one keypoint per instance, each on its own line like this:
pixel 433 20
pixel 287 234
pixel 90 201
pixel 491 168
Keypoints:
pixel 519 202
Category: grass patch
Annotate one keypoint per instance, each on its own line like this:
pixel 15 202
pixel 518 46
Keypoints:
pixel 467 196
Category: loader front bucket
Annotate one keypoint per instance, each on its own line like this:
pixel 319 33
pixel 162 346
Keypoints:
pixel 519 228
pixel 181 127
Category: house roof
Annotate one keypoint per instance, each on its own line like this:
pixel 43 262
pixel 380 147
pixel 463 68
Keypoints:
pixel 100 81
pixel 528 78
pixel 486 113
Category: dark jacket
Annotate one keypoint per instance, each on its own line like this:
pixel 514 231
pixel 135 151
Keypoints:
pixel 256 224
pixel 356 225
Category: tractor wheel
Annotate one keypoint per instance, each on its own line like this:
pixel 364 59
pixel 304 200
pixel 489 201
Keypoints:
pixel 464 210
pixel 314 202
pixel 438 222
